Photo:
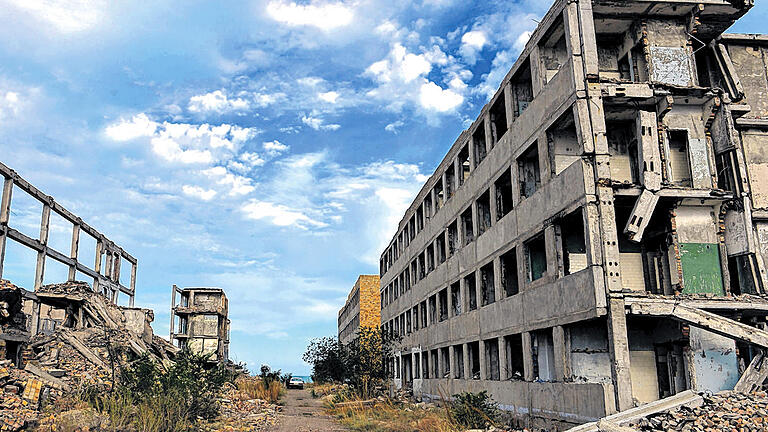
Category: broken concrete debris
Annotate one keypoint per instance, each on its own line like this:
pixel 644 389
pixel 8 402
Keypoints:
pixel 597 239
pixel 199 321
pixel 64 336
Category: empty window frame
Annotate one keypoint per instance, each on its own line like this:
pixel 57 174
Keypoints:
pixel 430 258
pixel 553 51
pixel 419 219
pixel 514 369
pixel 728 173
pixel 492 370
pixel 427 204
pixel 450 182
pixel 563 143
pixel 521 88
pixel 528 168
pixel 456 298
pixel 508 264
pixel 474 359
pixel 443 302
pixel 536 257
pixel 425 364
pixel 433 309
pixel 478 143
pixel 453 237
pixel 498 115
pixel 679 164
pixel 574 250
pixel 471 290
pixel 487 284
pixel 435 365
pixel 622 146
pixel 414 271
pixel 467 226
pixel 503 191
pixel 440 249
pixel 415 313
pixel 543 351
pixel 416 366
pixel 633 66
pixel 465 167
pixel 422 265
pixel 439 195
pixel 408 321
pixel 412 228
pixel 445 359
pixel 483 213
pixel 423 307
pixel 458 361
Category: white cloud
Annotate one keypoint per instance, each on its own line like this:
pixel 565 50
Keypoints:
pixel 182 142
pixel 252 159
pixel 198 192
pixel 67 16
pixel 237 185
pixel 433 97
pixel 274 148
pixel 394 126
pixel 318 123
pixel 323 15
pixel 402 78
pixel 329 97
pixel 472 43
pixel 217 102
pixel 279 215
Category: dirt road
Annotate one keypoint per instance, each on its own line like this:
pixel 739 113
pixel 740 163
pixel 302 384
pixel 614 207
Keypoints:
pixel 303 413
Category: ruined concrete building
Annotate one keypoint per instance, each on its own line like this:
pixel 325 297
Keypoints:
pixel 362 308
pixel 199 321
pixel 597 238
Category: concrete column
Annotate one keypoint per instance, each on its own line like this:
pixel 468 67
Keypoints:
pixel 451 362
pixel 488 132
pixel 545 165
pixel 492 199
pixel 550 243
pixel 457 172
pixel 515 178
pixel 573 43
pixel 413 365
pixel 5 213
pixel 618 345
pixel 527 357
pixel 74 245
pixel 561 354
pixel 464 296
pixel 45 222
pixel 445 188
pixel 522 268
pixel 498 289
pixel 475 222
pixel 483 360
pixel 440 365
pixel 509 105
pixel 467 368
pixel 537 74
pixel 503 372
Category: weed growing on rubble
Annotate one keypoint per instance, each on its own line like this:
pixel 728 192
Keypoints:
pixel 393 417
pixel 474 410
pixel 257 388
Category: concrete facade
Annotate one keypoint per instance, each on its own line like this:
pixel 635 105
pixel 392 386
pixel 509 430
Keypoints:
pixel 597 238
pixel 199 321
pixel 362 308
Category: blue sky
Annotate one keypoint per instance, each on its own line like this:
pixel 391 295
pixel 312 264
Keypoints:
pixel 265 147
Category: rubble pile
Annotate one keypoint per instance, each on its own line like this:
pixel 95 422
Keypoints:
pixel 724 411
pixel 240 413
pixel 62 337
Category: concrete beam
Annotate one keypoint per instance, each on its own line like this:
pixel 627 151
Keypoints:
pixel 618 345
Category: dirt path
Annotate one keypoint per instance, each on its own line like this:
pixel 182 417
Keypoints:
pixel 303 413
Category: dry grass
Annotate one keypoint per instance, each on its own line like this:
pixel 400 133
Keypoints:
pixel 390 417
pixel 255 388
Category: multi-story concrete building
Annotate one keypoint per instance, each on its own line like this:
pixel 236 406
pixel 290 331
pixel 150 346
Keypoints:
pixel 199 321
pixel 362 308
pixel 597 238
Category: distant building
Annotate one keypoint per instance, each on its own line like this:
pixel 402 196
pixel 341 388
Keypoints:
pixel 362 309
pixel 200 318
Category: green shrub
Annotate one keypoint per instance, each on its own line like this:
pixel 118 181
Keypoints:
pixel 474 410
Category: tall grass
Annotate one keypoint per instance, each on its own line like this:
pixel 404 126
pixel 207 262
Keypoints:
pixel 256 388
pixel 390 417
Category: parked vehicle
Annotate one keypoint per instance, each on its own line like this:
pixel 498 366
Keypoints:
pixel 295 382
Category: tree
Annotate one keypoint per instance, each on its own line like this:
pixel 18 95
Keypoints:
pixel 360 363
pixel 326 355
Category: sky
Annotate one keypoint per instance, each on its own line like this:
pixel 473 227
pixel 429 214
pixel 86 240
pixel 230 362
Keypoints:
pixel 266 147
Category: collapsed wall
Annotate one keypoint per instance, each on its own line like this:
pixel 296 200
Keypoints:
pixel 65 336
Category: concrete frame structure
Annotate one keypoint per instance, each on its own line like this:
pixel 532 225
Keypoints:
pixel 597 238
pixel 203 321
pixel 109 256
pixel 362 308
